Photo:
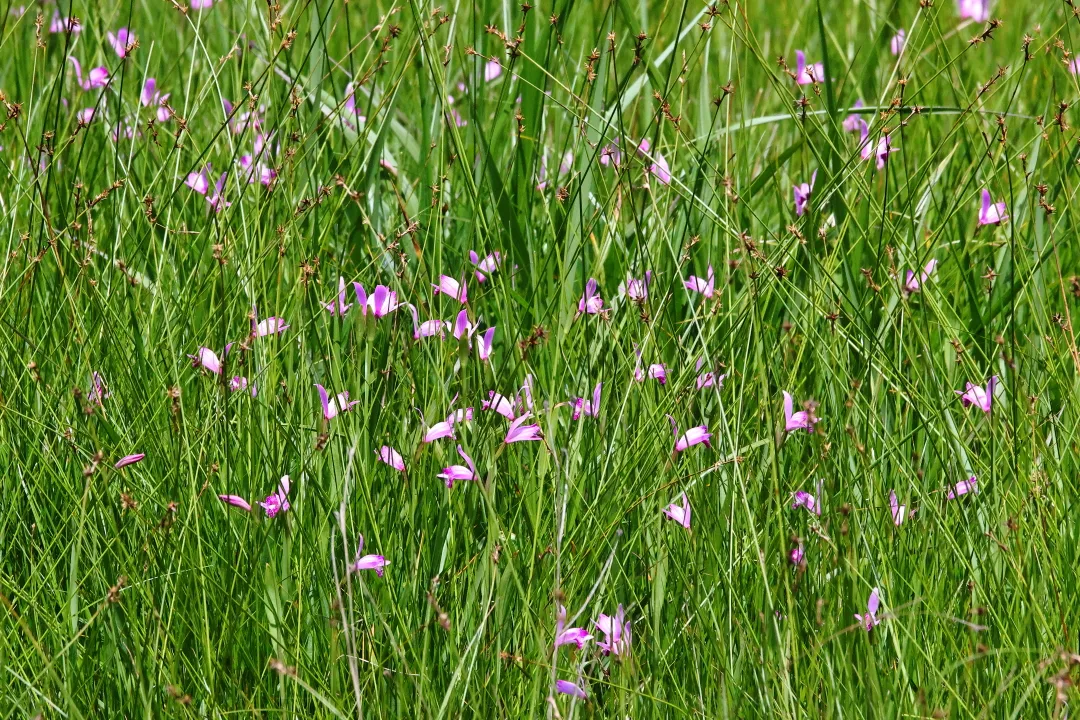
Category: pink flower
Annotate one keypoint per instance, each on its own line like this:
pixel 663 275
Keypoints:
pixel 239 382
pixel 98 389
pixel 899 512
pixel 150 97
pixel 331 407
pixel 880 150
pixel 610 154
pixel 459 472
pixel 351 107
pixel 120 41
pixel 807 74
pixel 659 169
pixel 977 10
pixel 913 284
pixel 694 436
pixel 963 488
pixel 391 457
pixel 704 286
pixel 484 344
pixel 488 265
pixel 97 78
pixel 452 288
pixel 801 420
pixel 64 25
pixel 200 181
pixel 462 327
pixel 565 687
pixel 428 328
pixel 367 562
pixel 85 116
pixel 854 121
pixel 638 290
pixel 680 514
pixel 801 498
pixel 569 636
pixel 590 303
pixel 380 303
pixel 797 555
pixel 991 213
pixel 338 306
pixel 500 404
pixel 802 194
pixel 870 619
pixel 267 326
pixel 207 359
pixel 129 460
pixel 656 371
pixel 585 407
pixel 235 501
pixel 980 398
pixel 519 432
pixel 278 501
pixel 616 631
pixel 896 45
pixel 438 431
pixel 708 378
pixel 492 70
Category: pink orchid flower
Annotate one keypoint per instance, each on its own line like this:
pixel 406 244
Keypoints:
pixel 977 10
pixel 98 389
pixel 485 343
pixel 239 382
pixel 485 266
pixel 963 488
pixel 459 472
pixel 801 498
pixel 338 306
pixel 694 436
pixel 380 303
pixel 679 513
pixel 802 194
pixel 217 199
pixel 913 283
pixel 565 687
pixel 462 327
pixel 129 460
pixel 332 407
pixel 879 150
pixel 638 290
pixel 977 396
pixel 97 77
pixel 807 74
pixel 797 555
pixel 235 501
pixel 351 108
pixel 616 631
pixel 590 303
pixel 708 378
pixel 801 420
pixel 64 25
pixel 428 328
pixel 267 326
pixel 85 116
pixel 870 619
pixel 656 371
pixel 991 213
pixel 452 288
pixel 278 501
pixel 658 169
pixel 854 122
pixel 585 407
pixel 520 432
pixel 201 4
pixel 899 512
pixel 569 636
pixel 500 404
pixel 704 286
pixel 120 41
pixel 896 44
pixel 610 154
pixel 150 97
pixel 391 457
pixel 492 70
pixel 438 431
pixel 367 562
pixel 207 359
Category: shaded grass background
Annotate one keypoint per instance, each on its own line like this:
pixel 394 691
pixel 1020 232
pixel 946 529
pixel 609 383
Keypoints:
pixel 223 613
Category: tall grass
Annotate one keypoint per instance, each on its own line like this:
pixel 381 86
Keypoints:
pixel 136 592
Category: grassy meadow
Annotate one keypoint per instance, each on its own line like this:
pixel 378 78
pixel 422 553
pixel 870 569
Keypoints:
pixel 706 361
